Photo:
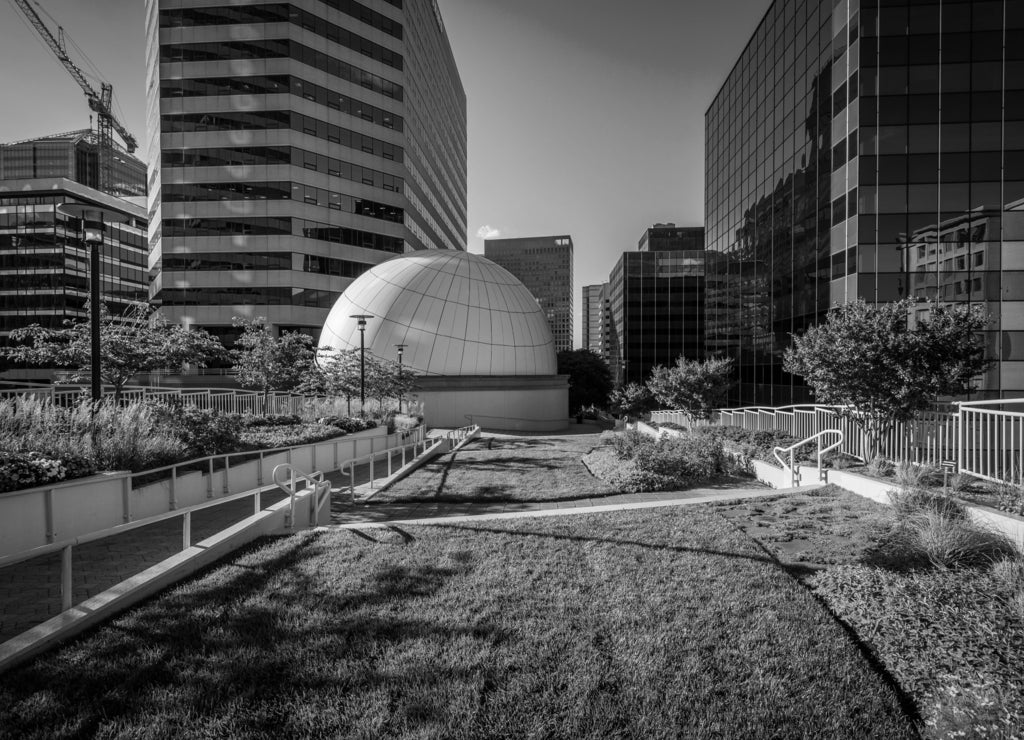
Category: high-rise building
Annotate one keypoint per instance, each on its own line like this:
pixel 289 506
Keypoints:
pixel 544 265
pixel 292 147
pixel 595 311
pixel 861 149
pixel 73 156
pixel 44 259
pixel 656 303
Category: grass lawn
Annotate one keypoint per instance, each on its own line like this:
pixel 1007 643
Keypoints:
pixel 645 624
pixel 504 470
pixel 949 637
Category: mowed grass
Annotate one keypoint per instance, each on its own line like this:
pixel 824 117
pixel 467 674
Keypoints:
pixel 646 624
pixel 505 470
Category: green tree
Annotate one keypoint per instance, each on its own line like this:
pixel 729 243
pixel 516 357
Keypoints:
pixel 266 363
pixel 332 373
pixel 878 369
pixel 697 387
pixel 385 379
pixel 136 342
pixel 590 380
pixel 630 400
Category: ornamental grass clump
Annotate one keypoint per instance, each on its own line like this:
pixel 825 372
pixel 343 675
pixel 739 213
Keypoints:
pixel 949 542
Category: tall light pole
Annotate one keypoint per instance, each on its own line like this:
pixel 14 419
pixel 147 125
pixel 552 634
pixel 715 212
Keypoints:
pixel 401 349
pixel 361 317
pixel 94 222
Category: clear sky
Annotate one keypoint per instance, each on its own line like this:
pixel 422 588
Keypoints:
pixel 586 117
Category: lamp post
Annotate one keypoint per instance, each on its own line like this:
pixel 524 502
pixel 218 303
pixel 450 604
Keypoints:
pixel 94 221
pixel 401 349
pixel 362 358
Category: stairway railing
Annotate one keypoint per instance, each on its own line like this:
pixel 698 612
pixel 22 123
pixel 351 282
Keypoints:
pixel 794 471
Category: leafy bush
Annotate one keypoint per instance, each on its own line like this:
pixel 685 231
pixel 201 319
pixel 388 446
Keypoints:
pixel 348 424
pixel 271 420
pixel 1010 499
pixel 405 422
pixel 291 436
pixel 756 445
pixel 879 467
pixel 202 431
pixel 27 470
pixel 641 463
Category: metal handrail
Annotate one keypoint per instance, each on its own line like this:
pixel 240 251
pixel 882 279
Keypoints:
pixel 315 480
pixel 794 475
pixel 428 443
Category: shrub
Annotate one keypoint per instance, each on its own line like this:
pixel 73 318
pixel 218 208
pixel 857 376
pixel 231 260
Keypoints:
pixel 950 542
pixel 879 467
pixel 271 420
pixel 909 475
pixel 348 424
pixel 960 482
pixel 202 431
pixel 27 470
pixel 131 437
pixel 291 436
pixel 1010 499
pixel 914 501
pixel 646 464
pixel 405 422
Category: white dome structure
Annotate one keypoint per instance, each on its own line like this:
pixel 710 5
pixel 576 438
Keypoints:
pixel 458 314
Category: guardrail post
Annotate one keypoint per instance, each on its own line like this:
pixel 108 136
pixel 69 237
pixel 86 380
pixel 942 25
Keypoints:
pixel 256 507
pixel 389 463
pixel 174 482
pixel 209 480
pixel 371 470
pixel 126 498
pixel 259 471
pixel 227 466
pixel 51 531
pixel 186 531
pixel 65 579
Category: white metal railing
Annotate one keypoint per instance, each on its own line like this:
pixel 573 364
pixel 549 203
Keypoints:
pixel 286 476
pixel 461 434
pixel 418 447
pixel 225 400
pixel 794 471
pixel 984 439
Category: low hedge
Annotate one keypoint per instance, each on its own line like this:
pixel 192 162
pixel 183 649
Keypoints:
pixel 634 462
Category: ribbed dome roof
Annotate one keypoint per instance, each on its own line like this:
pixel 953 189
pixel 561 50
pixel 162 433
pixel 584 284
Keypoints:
pixel 458 313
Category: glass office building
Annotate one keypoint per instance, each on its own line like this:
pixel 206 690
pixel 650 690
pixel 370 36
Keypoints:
pixel 44 260
pixel 594 312
pixel 656 298
pixel 293 146
pixel 866 149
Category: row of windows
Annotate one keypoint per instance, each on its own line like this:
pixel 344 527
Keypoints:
pixel 957 137
pixel 263 120
pixel 983 46
pixel 212 191
pixel 269 226
pixel 333 266
pixel 278 155
pixel 952 108
pixel 271 13
pixel 248 297
pixel 227 261
pixel 919 79
pixel 280 48
pixel 282 13
pixel 929 17
pixel 279 84
pixel 74 248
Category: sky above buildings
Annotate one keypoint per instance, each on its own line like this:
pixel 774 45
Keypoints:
pixel 586 117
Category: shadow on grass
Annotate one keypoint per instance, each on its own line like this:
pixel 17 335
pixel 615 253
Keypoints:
pixel 241 631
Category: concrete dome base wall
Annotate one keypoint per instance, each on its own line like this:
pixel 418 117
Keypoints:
pixel 501 403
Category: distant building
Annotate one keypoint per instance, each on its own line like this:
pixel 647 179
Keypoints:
pixel 544 265
pixel 595 313
pixel 44 260
pixel 292 147
pixel 73 156
pixel 656 303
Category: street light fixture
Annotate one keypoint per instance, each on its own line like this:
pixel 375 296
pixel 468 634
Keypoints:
pixel 401 349
pixel 94 222
pixel 362 359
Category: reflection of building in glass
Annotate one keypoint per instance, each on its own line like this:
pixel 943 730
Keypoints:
pixel 471 330
pixel 596 309
pixel 656 303
pixel 73 156
pixel 824 152
pixel 44 260
pixel 544 265
pixel 294 146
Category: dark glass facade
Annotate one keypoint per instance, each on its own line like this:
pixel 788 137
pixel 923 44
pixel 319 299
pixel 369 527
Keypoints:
pixel 44 260
pixel 866 149
pixel 656 304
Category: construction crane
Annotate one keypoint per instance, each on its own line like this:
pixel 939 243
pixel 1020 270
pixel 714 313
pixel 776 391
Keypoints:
pixel 100 102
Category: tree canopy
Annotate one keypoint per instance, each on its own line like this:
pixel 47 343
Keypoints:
pixel 266 363
pixel 695 386
pixel 631 399
pixel 136 342
pixel 879 368
pixel 590 380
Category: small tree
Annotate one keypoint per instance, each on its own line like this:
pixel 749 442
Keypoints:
pixel 590 380
pixel 697 387
pixel 267 363
pixel 630 400
pixel 866 360
pixel 139 341
pixel 332 373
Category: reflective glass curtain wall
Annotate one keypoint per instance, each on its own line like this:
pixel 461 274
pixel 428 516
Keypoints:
pixel 865 148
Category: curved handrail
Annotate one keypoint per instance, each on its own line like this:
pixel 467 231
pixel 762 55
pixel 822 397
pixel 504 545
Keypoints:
pixel 315 480
pixel 821 452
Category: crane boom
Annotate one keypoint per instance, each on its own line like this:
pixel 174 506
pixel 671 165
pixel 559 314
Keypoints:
pixel 100 102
